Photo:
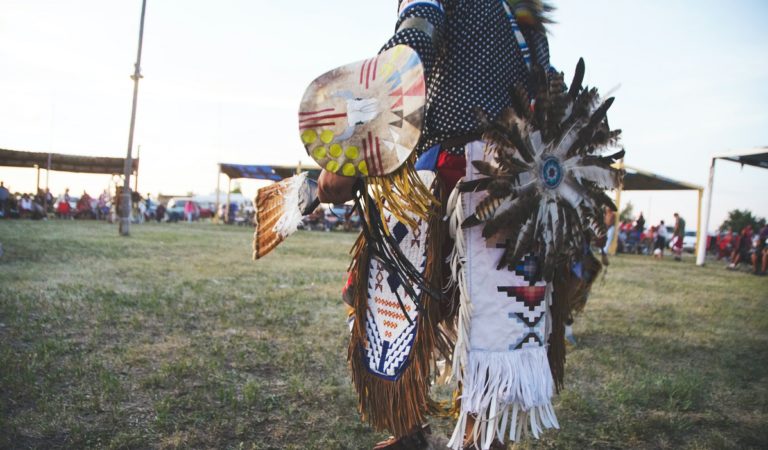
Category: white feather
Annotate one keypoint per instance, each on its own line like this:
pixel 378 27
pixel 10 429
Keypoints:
pixel 605 178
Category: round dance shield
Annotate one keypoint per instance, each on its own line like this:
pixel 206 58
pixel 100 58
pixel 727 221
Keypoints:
pixel 365 118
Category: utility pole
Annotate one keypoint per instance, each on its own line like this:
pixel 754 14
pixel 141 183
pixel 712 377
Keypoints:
pixel 125 197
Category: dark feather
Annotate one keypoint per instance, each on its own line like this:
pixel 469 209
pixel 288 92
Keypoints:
pixel 485 168
pixel 470 221
pixel 480 184
pixel 521 103
pixel 512 217
pixel 525 243
pixel 586 133
pixel 578 78
pixel 602 199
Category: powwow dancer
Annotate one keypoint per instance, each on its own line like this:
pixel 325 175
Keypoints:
pixel 479 263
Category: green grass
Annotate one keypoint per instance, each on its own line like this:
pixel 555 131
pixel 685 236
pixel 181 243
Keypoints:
pixel 174 338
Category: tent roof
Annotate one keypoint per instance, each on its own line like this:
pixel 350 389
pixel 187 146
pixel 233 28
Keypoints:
pixel 267 172
pixel 757 157
pixel 640 180
pixel 65 163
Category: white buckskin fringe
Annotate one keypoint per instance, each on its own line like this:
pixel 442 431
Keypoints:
pixel 455 211
pixel 507 392
pixel 291 218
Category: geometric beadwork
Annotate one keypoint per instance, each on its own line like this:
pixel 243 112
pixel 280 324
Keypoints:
pixel 390 334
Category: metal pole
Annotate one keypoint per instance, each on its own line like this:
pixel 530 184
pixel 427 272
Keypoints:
pixel 701 252
pixel 698 228
pixel 37 182
pixel 614 244
pixel 229 191
pixel 48 172
pixel 125 203
pixel 218 194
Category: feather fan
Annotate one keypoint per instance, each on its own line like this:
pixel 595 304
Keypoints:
pixel 279 210
pixel 546 176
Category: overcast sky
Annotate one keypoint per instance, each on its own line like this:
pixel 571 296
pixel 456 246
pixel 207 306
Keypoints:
pixel 223 80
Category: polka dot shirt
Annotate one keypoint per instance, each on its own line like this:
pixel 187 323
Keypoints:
pixel 476 63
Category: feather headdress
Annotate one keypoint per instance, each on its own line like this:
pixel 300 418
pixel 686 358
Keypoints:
pixel 548 175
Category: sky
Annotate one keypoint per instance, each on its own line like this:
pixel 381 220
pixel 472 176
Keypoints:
pixel 223 80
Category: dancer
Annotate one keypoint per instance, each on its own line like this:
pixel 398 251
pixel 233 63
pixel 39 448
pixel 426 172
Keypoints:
pixel 395 134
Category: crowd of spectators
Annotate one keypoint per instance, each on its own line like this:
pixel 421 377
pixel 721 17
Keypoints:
pixel 634 237
pixel 745 247
pixel 44 205
pixel 106 206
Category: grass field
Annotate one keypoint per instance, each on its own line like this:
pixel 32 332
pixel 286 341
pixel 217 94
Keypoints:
pixel 174 338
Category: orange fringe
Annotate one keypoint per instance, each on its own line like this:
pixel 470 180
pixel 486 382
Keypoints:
pixel 402 405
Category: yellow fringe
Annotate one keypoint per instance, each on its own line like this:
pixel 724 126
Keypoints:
pixel 404 194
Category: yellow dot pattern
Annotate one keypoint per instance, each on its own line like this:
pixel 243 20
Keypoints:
pixel 319 152
pixel 334 157
pixel 332 166
pixel 336 150
pixel 308 137
pixel 348 170
pixel 326 136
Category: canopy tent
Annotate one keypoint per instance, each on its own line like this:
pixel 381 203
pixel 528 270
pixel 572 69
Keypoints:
pixel 641 180
pixel 757 157
pixel 260 172
pixel 65 163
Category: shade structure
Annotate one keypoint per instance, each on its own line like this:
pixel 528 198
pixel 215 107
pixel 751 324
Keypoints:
pixel 266 172
pixel 65 163
pixel 261 172
pixel 642 180
pixel 757 157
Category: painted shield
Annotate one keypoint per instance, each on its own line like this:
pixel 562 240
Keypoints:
pixel 365 118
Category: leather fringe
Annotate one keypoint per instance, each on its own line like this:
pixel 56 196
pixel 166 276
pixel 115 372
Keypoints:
pixel 402 405
pixel 569 297
pixel 404 194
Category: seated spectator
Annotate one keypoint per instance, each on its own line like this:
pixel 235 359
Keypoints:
pixel 742 248
pixel 724 244
pixel 83 207
pixel 160 213
pixel 63 210
pixel 38 211
pixel 25 206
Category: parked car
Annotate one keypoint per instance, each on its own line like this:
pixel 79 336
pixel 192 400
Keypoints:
pixel 206 210
pixel 689 241
pixel 175 210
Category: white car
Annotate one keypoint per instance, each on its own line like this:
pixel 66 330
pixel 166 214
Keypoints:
pixel 689 241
